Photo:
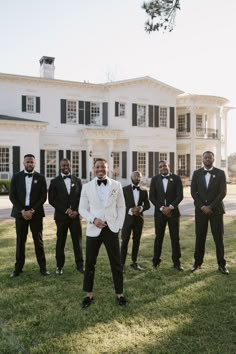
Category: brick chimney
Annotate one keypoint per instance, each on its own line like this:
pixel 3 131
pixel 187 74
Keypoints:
pixel 47 67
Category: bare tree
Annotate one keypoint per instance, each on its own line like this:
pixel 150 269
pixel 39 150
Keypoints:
pixel 161 15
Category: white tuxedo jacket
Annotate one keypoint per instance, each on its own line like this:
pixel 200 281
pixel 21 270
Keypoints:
pixel 91 207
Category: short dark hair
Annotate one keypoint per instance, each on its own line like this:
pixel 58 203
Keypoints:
pixel 100 159
pixel 208 152
pixel 29 155
pixel 64 159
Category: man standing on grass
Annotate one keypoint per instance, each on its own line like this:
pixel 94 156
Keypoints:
pixel 136 200
pixel 28 193
pixel 64 195
pixel 208 189
pixel 166 192
pixel 102 204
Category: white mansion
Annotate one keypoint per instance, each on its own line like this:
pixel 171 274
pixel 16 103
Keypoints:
pixel 132 123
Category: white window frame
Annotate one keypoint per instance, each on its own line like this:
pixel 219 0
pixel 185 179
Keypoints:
pixel 182 123
pixel 31 104
pixel 142 163
pixel 75 163
pixel 163 156
pixel 198 161
pixel 141 115
pixel 4 159
pixel 116 172
pixel 121 109
pixel 72 112
pixel 51 167
pixel 96 113
pixel 163 117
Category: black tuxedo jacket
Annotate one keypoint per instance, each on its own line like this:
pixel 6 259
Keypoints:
pixel 38 194
pixel 173 195
pixel 212 195
pixel 60 199
pixel 129 199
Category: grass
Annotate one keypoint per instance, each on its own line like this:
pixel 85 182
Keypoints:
pixel 168 312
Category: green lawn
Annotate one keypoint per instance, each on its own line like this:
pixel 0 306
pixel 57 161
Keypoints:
pixel 168 312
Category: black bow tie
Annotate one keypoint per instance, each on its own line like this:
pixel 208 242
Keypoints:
pixel 165 177
pixel 136 187
pixel 29 174
pixel 66 176
pixel 206 171
pixel 100 181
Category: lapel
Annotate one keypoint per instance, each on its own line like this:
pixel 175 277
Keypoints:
pixel 211 178
pixel 131 194
pixel 62 184
pixel 159 180
pixel 93 191
pixel 22 183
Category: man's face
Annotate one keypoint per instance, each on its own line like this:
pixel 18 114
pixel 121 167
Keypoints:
pixel 100 169
pixel 65 167
pixel 164 168
pixel 208 160
pixel 136 178
pixel 29 164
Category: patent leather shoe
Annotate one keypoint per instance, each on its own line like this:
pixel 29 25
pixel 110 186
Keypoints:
pixel 59 271
pixel 136 266
pixel 121 301
pixel 80 269
pixel 87 301
pixel 223 270
pixel 195 267
pixel 14 274
pixel 44 272
pixel 179 268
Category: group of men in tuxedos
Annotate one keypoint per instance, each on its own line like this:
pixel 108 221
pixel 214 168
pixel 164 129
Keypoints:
pixel 107 208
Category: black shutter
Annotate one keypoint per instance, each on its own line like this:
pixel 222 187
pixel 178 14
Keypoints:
pixel 16 158
pixel 87 113
pixel 42 162
pixel 38 104
pixel 150 116
pixel 156 116
pixel 81 112
pixel 134 158
pixel 105 113
pixel 60 155
pixel 63 111
pixel 116 109
pixel 124 164
pixel 188 123
pixel 84 168
pixel 156 163
pixel 188 166
pixel 172 117
pixel 134 114
pixel 172 162
pixel 150 164
pixel 68 154
pixel 23 103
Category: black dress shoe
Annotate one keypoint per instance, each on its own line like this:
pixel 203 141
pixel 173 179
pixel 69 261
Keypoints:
pixel 179 268
pixel 155 266
pixel 44 272
pixel 195 267
pixel 14 274
pixel 223 270
pixel 136 266
pixel 59 271
pixel 121 301
pixel 80 269
pixel 87 301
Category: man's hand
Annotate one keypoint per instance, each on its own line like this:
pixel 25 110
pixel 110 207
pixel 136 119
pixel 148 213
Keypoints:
pixel 27 215
pixel 166 211
pixel 99 223
pixel 135 211
pixel 206 209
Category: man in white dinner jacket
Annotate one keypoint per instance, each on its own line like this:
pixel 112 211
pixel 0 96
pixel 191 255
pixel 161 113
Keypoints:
pixel 102 204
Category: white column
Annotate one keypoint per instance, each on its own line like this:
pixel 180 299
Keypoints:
pixel 90 159
pixel 110 147
pixel 193 140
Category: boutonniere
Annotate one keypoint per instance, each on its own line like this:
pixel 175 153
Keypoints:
pixel 114 192
pixel 171 179
pixel 35 181
pixel 72 185
pixel 214 176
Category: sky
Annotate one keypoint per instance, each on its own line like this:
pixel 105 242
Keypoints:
pixel 104 40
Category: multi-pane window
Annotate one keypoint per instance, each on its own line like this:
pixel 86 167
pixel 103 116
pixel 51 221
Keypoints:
pixel 141 115
pixel 116 164
pixel 182 165
pixel 95 113
pixel 30 103
pixel 163 116
pixel 51 163
pixel 71 111
pixel 181 123
pixel 163 156
pixel 141 163
pixel 4 159
pixel 198 161
pixel 121 109
pixel 75 163
pixel 199 121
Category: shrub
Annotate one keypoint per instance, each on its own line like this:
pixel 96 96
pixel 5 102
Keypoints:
pixel 4 187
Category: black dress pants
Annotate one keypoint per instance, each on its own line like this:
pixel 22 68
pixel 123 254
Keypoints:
pixel 111 243
pixel 36 227
pixel 74 225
